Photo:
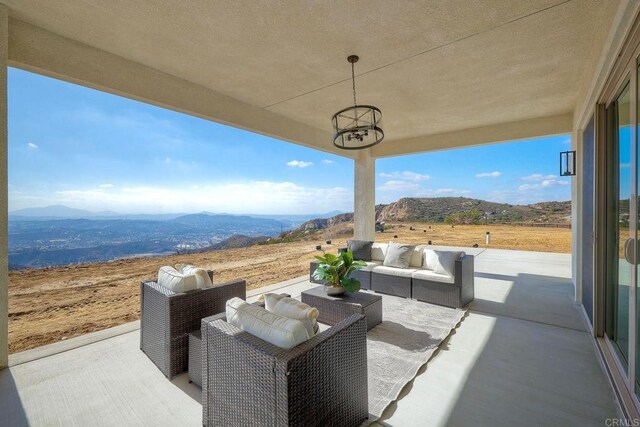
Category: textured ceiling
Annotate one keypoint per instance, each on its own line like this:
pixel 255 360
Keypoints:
pixel 431 66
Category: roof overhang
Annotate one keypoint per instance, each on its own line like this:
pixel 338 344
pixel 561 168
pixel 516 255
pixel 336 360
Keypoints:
pixel 445 75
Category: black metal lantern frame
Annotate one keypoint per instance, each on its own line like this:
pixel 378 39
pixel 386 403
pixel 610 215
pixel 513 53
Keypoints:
pixel 567 163
pixel 359 126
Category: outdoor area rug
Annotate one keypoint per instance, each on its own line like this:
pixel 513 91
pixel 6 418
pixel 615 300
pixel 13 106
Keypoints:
pixel 408 336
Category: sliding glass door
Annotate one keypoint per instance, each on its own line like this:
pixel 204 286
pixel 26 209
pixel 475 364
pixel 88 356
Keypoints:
pixel 634 135
pixel 617 224
pixel 622 172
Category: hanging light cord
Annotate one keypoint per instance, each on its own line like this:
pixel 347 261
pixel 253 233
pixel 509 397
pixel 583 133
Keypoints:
pixel 353 80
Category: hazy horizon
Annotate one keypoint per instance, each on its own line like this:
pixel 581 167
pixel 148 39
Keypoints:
pixel 207 211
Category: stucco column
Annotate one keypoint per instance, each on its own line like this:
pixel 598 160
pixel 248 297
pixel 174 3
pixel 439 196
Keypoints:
pixel 4 195
pixel 364 193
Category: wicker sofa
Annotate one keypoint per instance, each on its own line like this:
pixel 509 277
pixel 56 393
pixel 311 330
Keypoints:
pixel 249 382
pixel 416 282
pixel 167 318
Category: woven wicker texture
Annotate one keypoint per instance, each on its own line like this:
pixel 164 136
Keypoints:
pixel 455 295
pixel 195 358
pixel 249 382
pixel 167 318
pixel 334 309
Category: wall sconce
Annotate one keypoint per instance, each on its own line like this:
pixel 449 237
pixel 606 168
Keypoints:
pixel 567 163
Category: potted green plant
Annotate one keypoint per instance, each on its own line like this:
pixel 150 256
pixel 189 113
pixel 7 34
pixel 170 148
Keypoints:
pixel 336 270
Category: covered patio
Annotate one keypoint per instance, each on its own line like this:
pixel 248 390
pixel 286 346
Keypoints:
pixel 521 355
pixel 445 75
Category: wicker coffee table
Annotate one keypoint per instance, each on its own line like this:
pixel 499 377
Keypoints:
pixel 334 309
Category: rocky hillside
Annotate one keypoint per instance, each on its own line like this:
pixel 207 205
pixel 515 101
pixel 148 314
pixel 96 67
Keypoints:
pixel 437 209
pixel 445 209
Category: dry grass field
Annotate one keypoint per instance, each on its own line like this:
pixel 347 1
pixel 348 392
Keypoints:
pixel 53 304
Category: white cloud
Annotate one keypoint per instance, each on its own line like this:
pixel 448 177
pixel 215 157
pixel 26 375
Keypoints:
pixel 493 174
pixel 327 161
pixel 399 186
pixel 106 186
pixel 32 146
pixel 538 177
pixel 406 175
pixel 547 183
pixel 299 164
pixel 242 197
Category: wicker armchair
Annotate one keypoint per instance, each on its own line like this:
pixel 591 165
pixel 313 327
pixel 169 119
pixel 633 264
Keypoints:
pixel 249 382
pixel 167 318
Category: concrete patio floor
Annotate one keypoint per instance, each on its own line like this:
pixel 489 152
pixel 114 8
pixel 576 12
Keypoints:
pixel 522 355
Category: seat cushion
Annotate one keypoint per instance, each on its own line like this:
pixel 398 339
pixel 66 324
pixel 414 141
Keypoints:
pixel 398 255
pixel 293 309
pixel 441 262
pixel 277 330
pixel 202 276
pixel 378 251
pixel 370 265
pixel 432 276
pixel 361 249
pixel 393 271
pixel 172 279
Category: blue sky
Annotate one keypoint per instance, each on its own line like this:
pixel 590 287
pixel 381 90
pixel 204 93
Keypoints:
pixel 521 172
pixel 87 149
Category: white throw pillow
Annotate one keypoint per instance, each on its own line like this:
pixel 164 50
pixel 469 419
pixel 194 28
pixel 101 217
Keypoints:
pixel 417 257
pixel 172 279
pixel 398 255
pixel 202 276
pixel 293 309
pixel 441 262
pixel 378 251
pixel 277 330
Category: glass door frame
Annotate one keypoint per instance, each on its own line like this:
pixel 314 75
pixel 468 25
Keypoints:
pixel 630 75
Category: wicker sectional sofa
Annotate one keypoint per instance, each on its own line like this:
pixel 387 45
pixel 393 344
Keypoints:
pixel 416 281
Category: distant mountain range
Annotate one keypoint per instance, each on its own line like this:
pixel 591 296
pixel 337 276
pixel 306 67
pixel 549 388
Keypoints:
pixel 58 212
pixel 65 212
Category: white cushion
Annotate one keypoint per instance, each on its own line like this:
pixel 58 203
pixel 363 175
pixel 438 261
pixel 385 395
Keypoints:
pixel 371 265
pixel 393 271
pixel 378 251
pixel 172 279
pixel 277 330
pixel 202 276
pixel 432 275
pixel 293 309
pixel 398 255
pixel 417 257
pixel 442 262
